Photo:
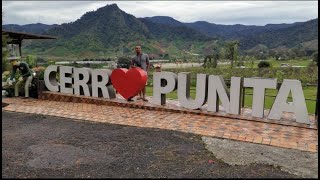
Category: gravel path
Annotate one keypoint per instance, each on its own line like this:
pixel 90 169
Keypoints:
pixel 37 146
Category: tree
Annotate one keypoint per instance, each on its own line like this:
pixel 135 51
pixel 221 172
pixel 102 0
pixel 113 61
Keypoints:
pixel 299 50
pixel 208 62
pixel 184 58
pixel 241 61
pixel 123 62
pixel 251 59
pixel 31 61
pixel 291 54
pixel 215 57
pixel 272 53
pixel 222 53
pixel 5 39
pixel 232 51
pixel 4 62
pixel 166 56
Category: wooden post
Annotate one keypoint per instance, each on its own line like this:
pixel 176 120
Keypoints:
pixel 20 53
pixel 243 96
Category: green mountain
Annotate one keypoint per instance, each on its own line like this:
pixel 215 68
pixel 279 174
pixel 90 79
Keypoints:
pixel 109 31
pixel 289 36
pixel 270 35
pixel 165 20
pixel 37 28
pixel 98 31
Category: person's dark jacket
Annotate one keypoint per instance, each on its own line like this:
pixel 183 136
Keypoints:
pixel 24 69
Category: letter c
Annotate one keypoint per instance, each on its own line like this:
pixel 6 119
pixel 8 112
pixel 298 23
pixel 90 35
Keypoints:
pixel 50 78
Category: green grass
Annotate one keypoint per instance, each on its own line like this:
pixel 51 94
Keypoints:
pixel 307 75
pixel 274 63
pixel 310 92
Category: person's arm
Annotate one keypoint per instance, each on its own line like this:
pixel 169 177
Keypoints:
pixel 13 72
pixel 132 63
pixel 148 63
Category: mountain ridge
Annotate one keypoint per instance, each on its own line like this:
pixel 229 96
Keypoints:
pixel 111 30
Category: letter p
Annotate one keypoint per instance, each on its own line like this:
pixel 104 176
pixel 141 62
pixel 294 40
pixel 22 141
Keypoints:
pixel 163 83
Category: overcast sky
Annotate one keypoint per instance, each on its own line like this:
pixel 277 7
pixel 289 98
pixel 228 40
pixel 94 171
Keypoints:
pixel 220 12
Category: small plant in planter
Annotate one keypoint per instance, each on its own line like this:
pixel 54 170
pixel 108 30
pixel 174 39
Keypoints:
pixel 40 81
pixel 10 89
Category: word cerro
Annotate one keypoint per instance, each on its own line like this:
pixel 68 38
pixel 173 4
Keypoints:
pixel 209 89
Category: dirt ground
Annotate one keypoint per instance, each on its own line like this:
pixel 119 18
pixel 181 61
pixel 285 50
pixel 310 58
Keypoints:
pixel 37 146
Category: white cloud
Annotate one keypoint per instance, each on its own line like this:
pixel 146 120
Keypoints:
pixel 220 12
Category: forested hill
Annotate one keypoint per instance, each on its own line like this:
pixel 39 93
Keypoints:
pixel 111 31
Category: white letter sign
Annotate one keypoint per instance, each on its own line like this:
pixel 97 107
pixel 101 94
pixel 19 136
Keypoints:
pixel 163 83
pixel 298 105
pixel 85 73
pixel 209 89
pixel 66 79
pixel 184 91
pixel 259 85
pixel 50 80
pixel 102 83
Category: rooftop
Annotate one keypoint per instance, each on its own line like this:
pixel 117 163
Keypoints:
pixel 17 37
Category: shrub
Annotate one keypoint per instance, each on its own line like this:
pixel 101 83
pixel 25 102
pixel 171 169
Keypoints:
pixel 96 66
pixel 5 76
pixel 123 62
pixel 240 63
pixel 312 64
pixel 51 62
pixel 31 61
pixel 5 65
pixel 315 58
pixel 264 64
pixel 40 71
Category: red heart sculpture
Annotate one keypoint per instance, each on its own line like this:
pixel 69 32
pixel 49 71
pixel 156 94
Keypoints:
pixel 129 82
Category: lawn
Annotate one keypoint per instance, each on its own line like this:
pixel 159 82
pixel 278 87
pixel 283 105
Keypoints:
pixel 274 63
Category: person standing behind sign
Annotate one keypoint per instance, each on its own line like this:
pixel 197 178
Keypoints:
pixel 26 75
pixel 141 60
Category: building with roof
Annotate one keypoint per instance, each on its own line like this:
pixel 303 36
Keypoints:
pixel 15 40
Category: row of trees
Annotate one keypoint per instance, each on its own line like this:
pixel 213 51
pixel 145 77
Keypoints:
pixel 281 53
pixel 230 51
pixel 5 52
pixel 231 54
pixel 97 59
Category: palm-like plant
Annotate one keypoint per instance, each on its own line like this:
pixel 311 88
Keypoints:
pixel 232 51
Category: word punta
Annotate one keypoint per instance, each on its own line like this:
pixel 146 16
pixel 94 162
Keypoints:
pixel 212 88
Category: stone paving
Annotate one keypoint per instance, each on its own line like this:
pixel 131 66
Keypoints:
pixel 280 135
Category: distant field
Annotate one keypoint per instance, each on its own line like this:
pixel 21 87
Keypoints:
pixel 182 65
pixel 226 64
pixel 274 63
pixel 307 75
